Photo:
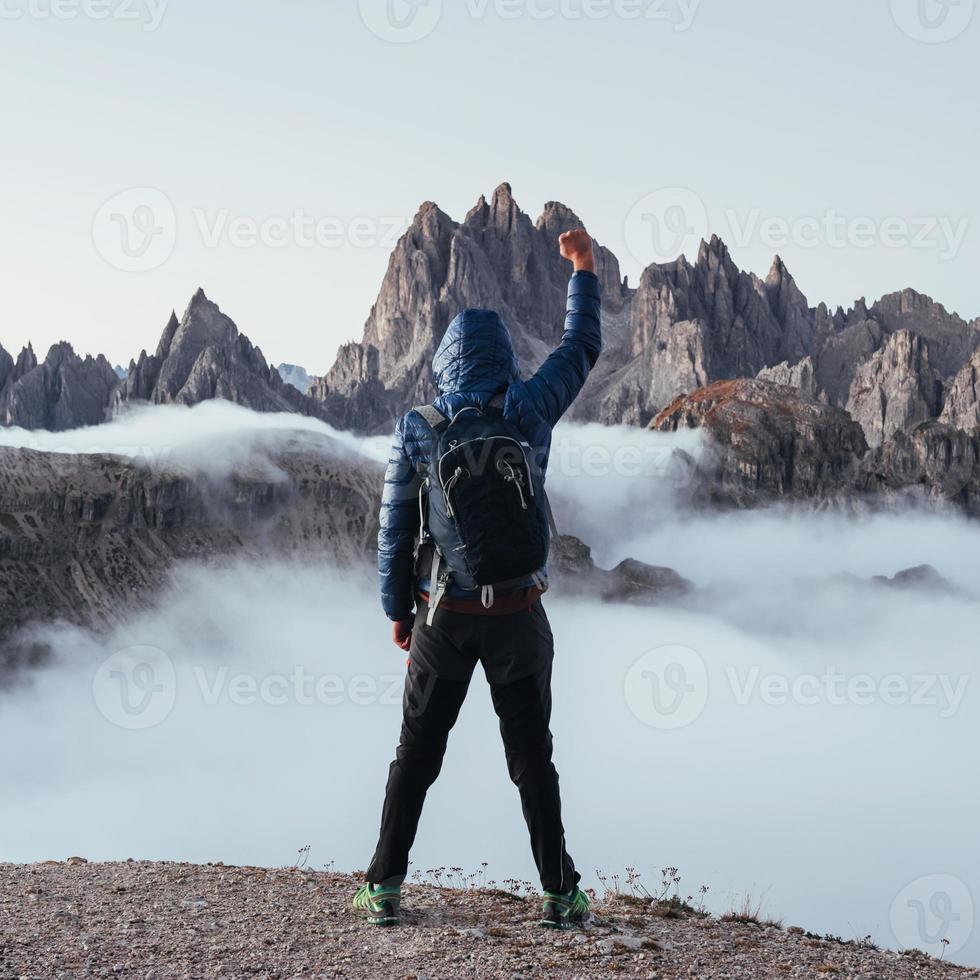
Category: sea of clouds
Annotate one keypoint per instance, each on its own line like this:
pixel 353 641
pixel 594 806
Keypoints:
pixel 793 731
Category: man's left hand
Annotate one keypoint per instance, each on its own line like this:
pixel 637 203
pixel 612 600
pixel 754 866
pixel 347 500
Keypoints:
pixel 401 633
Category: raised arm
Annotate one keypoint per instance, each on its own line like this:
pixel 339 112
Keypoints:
pixel 399 526
pixel 559 380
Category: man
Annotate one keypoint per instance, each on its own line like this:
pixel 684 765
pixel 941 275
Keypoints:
pixel 502 626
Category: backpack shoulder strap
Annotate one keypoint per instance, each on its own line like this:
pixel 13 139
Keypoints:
pixel 433 417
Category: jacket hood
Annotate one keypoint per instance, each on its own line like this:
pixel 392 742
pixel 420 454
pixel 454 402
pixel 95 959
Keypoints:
pixel 475 355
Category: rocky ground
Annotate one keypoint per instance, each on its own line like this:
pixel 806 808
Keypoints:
pixel 163 920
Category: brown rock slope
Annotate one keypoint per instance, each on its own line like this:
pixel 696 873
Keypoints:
pixel 767 442
pixel 88 538
pixel 175 920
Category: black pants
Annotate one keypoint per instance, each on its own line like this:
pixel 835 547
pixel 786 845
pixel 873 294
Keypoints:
pixel 516 652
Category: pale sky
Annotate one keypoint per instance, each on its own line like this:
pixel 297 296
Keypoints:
pixel 841 134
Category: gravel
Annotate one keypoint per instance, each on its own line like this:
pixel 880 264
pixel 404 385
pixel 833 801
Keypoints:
pixel 158 921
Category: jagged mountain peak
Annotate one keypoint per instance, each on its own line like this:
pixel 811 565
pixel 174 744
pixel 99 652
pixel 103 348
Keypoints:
pixel 430 223
pixel 204 318
pixel 858 312
pixel 479 208
pixel 557 218
pixel 200 305
pixel 204 356
pixel 502 200
pixel 951 339
pixel 502 214
pixel 64 391
pixel 59 353
pixel 716 249
pixel 780 281
pixel 712 320
pixel 26 361
pixel 426 212
pixel 496 258
pixel 62 354
pixel 166 338
pixel 202 325
pixel 778 273
pixel 908 300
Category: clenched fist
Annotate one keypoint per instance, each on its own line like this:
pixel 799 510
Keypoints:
pixel 576 246
pixel 401 633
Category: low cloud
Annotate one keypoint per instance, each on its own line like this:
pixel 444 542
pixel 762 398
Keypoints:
pixel 792 726
pixel 214 438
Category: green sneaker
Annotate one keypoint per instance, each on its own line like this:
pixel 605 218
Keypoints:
pixel 381 905
pixel 564 911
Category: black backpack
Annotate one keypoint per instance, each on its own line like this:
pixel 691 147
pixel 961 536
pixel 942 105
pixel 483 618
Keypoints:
pixel 485 514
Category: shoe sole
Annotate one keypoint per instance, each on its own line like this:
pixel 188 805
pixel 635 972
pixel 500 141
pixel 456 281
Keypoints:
pixel 564 926
pixel 384 920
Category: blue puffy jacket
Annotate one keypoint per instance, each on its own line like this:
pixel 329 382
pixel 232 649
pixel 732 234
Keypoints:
pixel 475 362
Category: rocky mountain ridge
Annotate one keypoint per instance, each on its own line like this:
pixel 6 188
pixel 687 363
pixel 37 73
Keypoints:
pixel 892 366
pixel 685 325
pixel 770 442
pixel 88 539
pixel 200 356
pixel 203 356
pixel 64 391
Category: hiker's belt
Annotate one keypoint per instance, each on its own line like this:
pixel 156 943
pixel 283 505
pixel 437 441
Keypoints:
pixel 439 585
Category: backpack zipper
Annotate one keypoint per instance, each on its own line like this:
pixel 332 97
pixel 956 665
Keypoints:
pixel 446 487
pixel 512 476
pixel 453 480
pixel 520 445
